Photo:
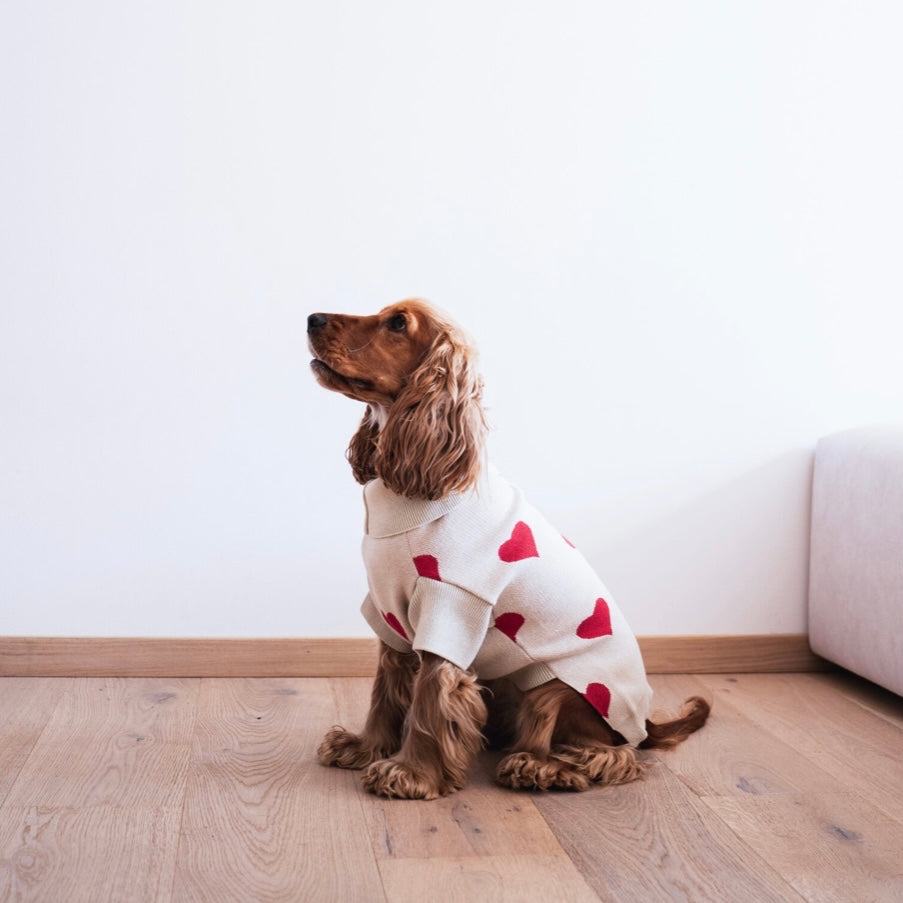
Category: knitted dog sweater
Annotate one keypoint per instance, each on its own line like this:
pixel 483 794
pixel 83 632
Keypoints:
pixel 481 579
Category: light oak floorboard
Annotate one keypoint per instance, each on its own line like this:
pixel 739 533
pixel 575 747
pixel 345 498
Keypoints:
pixel 655 840
pixel 208 789
pixel 813 827
pixel 26 705
pixel 93 813
pixel 111 742
pixel 501 879
pixel 862 753
pixel 85 855
pixel 874 699
pixel 262 821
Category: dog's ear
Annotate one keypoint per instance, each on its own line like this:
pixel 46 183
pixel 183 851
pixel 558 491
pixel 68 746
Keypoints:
pixel 361 452
pixel 432 442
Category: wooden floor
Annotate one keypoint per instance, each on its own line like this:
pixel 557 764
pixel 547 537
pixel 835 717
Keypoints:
pixel 207 789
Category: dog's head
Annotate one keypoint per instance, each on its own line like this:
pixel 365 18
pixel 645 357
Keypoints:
pixel 423 430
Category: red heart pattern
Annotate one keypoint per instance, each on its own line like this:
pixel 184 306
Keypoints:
pixel 597 624
pixel 521 544
pixel 395 624
pixel 509 623
pixel 427 566
pixel 599 697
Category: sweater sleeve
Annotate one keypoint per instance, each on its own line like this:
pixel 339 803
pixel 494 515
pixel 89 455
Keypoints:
pixel 448 621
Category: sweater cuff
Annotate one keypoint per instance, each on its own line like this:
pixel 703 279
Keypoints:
pixel 448 621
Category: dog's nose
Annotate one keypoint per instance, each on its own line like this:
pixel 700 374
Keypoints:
pixel 315 322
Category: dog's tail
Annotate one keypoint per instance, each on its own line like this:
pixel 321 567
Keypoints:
pixel 693 715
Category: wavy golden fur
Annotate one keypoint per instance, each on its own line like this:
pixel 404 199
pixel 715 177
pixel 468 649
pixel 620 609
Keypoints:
pixel 423 429
pixel 423 434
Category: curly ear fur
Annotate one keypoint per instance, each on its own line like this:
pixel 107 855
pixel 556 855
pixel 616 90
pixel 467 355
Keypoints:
pixel 361 452
pixel 432 442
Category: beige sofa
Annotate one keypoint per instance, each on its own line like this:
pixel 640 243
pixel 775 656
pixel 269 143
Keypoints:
pixel 856 557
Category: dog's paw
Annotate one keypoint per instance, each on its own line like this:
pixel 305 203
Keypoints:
pixel 524 771
pixel 346 750
pixel 602 764
pixel 394 778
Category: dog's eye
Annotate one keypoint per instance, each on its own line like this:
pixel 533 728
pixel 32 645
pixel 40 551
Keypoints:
pixel 398 323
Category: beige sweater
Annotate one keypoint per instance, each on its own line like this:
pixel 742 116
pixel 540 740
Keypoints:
pixel 483 580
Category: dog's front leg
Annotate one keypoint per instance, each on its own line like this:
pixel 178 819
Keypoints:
pixel 442 734
pixel 390 700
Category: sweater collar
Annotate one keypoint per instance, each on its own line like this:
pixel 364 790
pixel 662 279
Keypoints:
pixel 389 514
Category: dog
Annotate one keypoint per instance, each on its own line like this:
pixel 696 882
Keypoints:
pixel 491 624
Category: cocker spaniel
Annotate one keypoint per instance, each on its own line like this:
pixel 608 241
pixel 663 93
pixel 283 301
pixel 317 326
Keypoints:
pixel 490 621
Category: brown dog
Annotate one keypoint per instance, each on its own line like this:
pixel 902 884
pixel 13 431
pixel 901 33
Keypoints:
pixel 469 583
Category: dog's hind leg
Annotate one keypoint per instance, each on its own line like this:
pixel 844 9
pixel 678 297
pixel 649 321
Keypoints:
pixel 562 744
pixel 531 765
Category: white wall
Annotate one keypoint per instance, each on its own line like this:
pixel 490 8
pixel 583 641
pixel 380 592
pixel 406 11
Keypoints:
pixel 674 229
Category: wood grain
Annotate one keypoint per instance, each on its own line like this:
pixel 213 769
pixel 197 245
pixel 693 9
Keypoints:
pixel 861 753
pixel 351 657
pixel 874 699
pixel 111 742
pixel 501 879
pixel 26 705
pixel 655 840
pixel 153 789
pixel 262 820
pixel 94 810
pixel 83 855
pixel 816 830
